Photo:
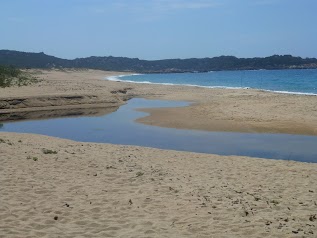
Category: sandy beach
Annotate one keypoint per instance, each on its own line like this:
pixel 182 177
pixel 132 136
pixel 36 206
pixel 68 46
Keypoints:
pixel 242 110
pixel 102 190
pixel 53 187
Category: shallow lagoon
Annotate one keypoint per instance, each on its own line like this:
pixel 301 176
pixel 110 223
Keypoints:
pixel 119 128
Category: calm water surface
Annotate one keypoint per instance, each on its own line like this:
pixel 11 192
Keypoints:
pixel 119 128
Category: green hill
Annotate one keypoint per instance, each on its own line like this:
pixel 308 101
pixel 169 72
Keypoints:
pixel 41 60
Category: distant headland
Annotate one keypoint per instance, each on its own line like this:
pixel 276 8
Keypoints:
pixel 110 63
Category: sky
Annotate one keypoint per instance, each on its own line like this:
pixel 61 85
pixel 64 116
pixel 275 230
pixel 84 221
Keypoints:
pixel 160 29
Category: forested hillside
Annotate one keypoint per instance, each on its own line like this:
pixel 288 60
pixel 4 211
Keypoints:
pixel 41 60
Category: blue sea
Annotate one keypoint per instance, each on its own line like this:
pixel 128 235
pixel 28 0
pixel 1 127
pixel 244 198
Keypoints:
pixel 295 81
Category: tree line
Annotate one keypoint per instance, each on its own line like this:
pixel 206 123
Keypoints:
pixel 43 61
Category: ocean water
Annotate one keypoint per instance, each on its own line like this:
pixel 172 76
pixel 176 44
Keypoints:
pixel 297 81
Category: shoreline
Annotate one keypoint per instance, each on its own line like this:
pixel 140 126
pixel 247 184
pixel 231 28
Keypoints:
pixel 57 187
pixel 236 110
pixel 180 118
pixel 116 78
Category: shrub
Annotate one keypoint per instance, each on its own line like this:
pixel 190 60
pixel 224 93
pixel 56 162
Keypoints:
pixel 47 151
pixel 10 76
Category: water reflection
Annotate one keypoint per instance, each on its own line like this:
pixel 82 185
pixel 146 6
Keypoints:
pixel 119 128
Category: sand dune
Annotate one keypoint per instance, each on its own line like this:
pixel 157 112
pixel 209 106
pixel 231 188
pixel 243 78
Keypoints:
pixel 102 190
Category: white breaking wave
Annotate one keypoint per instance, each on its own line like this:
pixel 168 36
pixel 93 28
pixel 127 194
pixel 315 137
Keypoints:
pixel 117 79
pixel 288 92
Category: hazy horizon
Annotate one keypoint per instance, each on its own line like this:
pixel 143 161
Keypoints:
pixel 160 29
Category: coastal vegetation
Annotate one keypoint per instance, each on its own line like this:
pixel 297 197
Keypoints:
pixel 48 151
pixel 43 61
pixel 11 76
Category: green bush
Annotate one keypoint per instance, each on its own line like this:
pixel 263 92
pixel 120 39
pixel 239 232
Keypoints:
pixel 47 151
pixel 10 76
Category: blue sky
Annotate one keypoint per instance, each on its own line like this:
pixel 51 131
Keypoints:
pixel 158 29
